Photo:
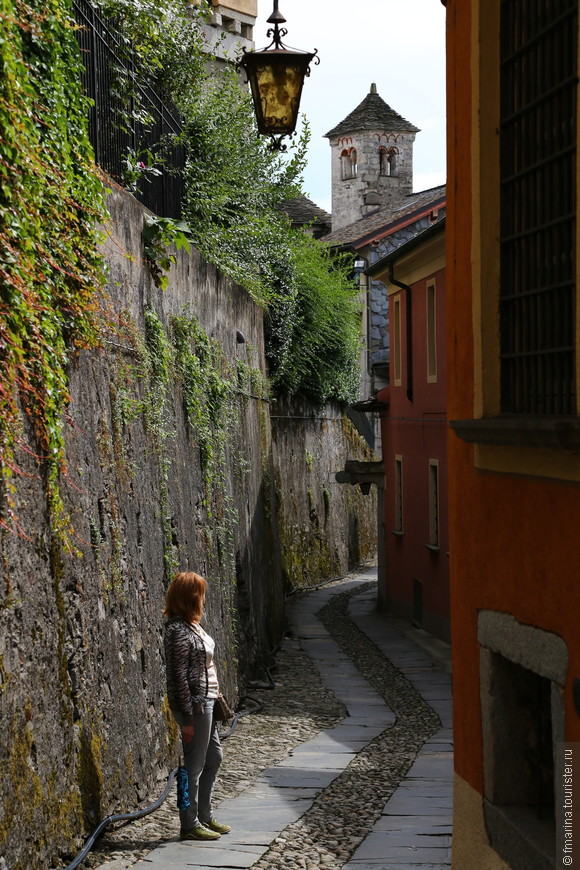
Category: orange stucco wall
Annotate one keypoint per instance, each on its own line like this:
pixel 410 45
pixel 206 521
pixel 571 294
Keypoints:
pixel 514 541
pixel 416 431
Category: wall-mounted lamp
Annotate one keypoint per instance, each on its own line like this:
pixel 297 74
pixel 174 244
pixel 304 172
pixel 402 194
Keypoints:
pixel 276 75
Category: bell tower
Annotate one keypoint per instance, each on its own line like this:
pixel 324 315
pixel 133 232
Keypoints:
pixel 372 160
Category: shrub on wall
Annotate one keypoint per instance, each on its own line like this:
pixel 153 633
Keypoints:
pixel 235 187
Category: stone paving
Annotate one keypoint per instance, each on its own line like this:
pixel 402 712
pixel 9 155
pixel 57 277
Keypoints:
pixel 414 831
pixel 413 828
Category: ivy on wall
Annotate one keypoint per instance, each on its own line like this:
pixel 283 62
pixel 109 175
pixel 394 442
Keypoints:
pixel 181 359
pixel 50 200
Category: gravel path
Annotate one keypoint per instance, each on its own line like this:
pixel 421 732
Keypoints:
pixel 294 711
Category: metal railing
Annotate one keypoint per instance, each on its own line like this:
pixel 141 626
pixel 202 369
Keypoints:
pixel 131 126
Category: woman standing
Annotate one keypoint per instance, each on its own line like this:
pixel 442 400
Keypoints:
pixel 192 687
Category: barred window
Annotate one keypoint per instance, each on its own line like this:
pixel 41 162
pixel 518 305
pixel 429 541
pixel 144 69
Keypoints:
pixel 538 81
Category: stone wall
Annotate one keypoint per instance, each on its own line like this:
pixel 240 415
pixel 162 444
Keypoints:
pixel 324 527
pixel 86 729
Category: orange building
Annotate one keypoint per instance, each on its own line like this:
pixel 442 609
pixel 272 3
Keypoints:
pixel 413 433
pixel 514 439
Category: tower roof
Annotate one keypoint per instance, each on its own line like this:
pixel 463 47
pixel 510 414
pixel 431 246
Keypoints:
pixel 372 114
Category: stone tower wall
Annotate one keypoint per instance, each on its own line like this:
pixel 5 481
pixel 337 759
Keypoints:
pixel 355 197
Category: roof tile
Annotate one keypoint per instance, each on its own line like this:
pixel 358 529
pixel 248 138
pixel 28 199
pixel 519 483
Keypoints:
pixel 372 114
pixel 379 221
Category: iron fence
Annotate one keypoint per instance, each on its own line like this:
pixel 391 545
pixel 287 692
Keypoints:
pixel 128 125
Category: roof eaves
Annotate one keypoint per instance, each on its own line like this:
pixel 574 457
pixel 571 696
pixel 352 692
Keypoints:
pixel 388 229
pixel 405 248
pixel 391 228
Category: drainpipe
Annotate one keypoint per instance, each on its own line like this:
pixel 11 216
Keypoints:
pixel 409 328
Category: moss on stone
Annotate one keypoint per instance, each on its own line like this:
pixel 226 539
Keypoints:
pixel 5 676
pixel 57 571
pixel 30 806
pixel 171 729
pixel 90 775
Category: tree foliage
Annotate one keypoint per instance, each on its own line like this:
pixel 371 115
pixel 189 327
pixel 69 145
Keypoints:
pixel 235 190
pixel 51 201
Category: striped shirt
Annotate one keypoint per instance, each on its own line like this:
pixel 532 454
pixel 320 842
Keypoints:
pixel 188 667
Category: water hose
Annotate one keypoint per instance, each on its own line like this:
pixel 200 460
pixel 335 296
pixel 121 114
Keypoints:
pixel 120 818
pixel 138 814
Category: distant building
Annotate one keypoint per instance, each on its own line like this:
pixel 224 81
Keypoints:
pixel 369 239
pixel 413 416
pixel 372 160
pixel 230 27
pixel 305 214
pixel 396 238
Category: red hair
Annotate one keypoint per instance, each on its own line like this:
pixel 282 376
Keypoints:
pixel 185 596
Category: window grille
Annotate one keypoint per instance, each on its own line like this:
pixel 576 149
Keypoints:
pixel 113 130
pixel 538 83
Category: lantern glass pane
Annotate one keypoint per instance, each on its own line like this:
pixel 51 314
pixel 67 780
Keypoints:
pixel 276 87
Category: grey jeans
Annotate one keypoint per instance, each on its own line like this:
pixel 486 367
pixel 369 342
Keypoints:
pixel 203 755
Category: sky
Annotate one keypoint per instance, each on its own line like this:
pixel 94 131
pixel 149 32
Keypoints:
pixel 398 44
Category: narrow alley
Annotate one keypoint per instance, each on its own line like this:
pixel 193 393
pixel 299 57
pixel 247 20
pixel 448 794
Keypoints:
pixel 373 792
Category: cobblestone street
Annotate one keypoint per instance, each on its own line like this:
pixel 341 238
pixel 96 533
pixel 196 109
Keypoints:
pixel 347 765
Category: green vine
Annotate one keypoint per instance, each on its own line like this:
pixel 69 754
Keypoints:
pixel 158 361
pixel 213 397
pixel 158 234
pixel 214 392
pixel 50 200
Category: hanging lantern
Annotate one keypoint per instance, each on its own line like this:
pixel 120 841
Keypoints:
pixel 276 76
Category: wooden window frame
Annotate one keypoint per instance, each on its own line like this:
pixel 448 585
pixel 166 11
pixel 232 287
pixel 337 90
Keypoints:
pixel 399 497
pixel 396 342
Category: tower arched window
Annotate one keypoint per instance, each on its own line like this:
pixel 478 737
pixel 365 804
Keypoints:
pixel 348 163
pixel 353 162
pixel 384 166
pixel 392 161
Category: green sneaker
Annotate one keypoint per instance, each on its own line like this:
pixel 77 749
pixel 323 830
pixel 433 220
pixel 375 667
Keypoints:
pixel 199 832
pixel 217 827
